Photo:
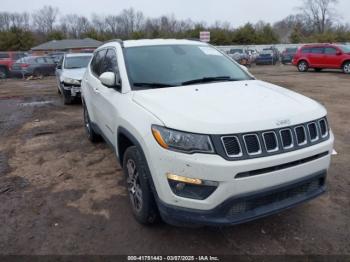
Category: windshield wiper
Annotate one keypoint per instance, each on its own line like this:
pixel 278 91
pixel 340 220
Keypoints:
pixel 208 80
pixel 74 67
pixel 159 85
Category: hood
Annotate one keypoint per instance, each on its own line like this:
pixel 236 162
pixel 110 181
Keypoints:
pixel 228 107
pixel 76 74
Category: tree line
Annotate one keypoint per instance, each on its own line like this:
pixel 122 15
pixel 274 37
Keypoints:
pixel 315 21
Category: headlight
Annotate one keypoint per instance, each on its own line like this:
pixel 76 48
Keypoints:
pixel 71 81
pixel 182 141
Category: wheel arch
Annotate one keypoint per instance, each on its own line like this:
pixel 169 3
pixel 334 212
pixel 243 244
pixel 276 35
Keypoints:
pixel 345 61
pixel 125 139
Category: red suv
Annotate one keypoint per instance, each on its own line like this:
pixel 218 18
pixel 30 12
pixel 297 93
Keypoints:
pixel 321 56
pixel 7 59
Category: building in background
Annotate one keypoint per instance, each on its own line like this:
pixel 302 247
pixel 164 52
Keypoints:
pixel 66 45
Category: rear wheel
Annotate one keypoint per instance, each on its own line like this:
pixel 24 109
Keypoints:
pixel 303 66
pixel 92 135
pixel 141 198
pixel 38 73
pixel 346 67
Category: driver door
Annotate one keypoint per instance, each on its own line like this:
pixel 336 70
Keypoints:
pixel 108 98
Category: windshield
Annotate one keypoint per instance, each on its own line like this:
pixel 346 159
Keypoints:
pixel 345 48
pixel 176 65
pixel 76 62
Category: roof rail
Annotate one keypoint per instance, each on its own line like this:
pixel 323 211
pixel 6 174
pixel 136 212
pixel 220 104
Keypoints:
pixel 116 40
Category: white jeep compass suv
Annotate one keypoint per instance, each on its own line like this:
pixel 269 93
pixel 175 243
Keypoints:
pixel 201 141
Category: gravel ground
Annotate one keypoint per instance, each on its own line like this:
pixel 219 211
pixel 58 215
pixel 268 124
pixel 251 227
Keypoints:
pixel 60 194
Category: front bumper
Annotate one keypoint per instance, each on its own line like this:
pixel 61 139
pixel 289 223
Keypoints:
pixel 72 90
pixel 244 208
pixel 293 166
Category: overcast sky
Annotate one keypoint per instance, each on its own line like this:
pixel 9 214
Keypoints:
pixel 237 12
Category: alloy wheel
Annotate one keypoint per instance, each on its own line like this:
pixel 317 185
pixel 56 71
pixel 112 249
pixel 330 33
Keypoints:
pixel 134 187
pixel 347 68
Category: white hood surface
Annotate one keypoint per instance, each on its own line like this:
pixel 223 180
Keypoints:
pixel 76 73
pixel 228 107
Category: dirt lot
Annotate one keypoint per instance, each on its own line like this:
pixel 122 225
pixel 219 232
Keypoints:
pixel 59 194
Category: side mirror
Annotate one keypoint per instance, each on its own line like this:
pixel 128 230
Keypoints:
pixel 110 79
pixel 339 52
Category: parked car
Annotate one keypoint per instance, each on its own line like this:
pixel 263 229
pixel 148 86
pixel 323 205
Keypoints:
pixel 240 56
pixel 69 73
pixel 322 56
pixel 276 53
pixel 7 59
pixel 253 54
pixel 38 66
pixel 287 55
pixel 266 57
pixel 201 140
pixel 57 56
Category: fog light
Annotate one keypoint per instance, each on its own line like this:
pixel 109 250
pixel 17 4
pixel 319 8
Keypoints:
pixel 193 188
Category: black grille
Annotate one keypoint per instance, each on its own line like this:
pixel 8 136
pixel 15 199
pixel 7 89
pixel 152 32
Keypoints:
pixel 252 144
pixel 292 194
pixel 287 139
pixel 313 131
pixel 270 141
pixel 232 146
pixel 300 134
pixel 323 127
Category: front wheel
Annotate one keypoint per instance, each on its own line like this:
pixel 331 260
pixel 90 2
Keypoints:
pixel 303 66
pixel 141 198
pixel 346 68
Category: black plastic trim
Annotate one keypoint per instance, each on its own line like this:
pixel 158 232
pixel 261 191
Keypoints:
pixel 281 167
pixel 218 215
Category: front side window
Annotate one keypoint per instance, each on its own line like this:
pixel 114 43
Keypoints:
pixel 74 62
pixel 177 65
pixel 110 63
pixel 96 62
pixel 330 51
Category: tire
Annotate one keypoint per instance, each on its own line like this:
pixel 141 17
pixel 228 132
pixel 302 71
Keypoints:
pixel 93 136
pixel 141 198
pixel 318 69
pixel 346 67
pixel 38 73
pixel 303 66
pixel 3 73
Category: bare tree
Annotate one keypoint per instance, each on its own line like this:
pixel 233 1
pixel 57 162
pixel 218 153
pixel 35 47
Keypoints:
pixel 45 18
pixel 319 13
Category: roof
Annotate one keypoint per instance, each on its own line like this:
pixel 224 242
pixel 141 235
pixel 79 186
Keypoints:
pixel 150 42
pixel 68 44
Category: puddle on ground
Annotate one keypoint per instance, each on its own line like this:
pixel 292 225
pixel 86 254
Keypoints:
pixel 37 103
